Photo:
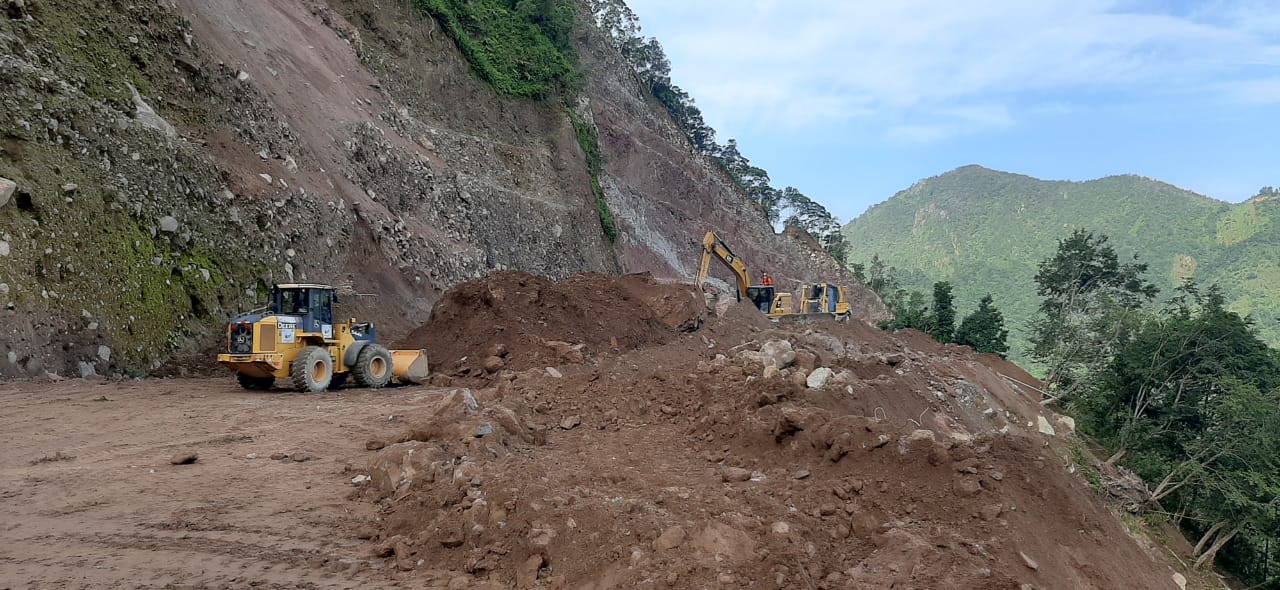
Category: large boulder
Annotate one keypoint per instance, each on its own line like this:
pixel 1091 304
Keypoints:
pixel 403 466
pixel 775 353
pixel 7 188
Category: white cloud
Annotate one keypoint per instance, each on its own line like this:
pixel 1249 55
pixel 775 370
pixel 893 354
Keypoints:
pixel 784 66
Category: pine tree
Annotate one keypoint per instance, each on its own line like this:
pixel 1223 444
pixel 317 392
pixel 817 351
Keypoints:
pixel 942 325
pixel 983 330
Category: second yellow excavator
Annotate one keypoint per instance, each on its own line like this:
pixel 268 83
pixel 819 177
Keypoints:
pixel 809 301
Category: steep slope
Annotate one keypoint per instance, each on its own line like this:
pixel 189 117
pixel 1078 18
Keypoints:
pixel 985 231
pixel 666 197
pixel 345 142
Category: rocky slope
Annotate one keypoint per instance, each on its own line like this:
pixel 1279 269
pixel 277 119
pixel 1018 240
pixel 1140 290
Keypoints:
pixel 171 160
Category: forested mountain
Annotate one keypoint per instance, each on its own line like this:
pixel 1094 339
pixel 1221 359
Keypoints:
pixel 985 231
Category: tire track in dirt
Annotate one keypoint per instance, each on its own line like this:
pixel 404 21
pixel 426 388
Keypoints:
pixel 118 515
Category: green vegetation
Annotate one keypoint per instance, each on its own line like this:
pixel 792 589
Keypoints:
pixel 984 231
pixel 520 47
pixel 606 214
pixel 589 141
pixel 86 257
pixel 1091 303
pixel 1187 396
pixel 983 330
pixel 99 58
pixel 942 324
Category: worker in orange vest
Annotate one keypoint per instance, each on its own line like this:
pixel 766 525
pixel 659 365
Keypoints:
pixel 767 280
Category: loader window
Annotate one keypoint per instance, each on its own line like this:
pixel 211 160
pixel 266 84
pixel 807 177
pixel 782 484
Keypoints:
pixel 292 302
pixel 323 306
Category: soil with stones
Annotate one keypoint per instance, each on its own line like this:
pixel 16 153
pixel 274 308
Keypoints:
pixel 740 454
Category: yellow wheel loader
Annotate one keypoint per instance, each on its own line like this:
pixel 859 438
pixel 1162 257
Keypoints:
pixel 295 338
pixel 819 300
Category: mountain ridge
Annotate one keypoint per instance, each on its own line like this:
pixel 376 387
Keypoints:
pixel 985 230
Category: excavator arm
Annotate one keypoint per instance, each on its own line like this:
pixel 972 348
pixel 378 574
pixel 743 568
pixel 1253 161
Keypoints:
pixel 713 247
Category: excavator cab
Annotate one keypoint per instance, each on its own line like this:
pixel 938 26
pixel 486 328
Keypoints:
pixel 762 297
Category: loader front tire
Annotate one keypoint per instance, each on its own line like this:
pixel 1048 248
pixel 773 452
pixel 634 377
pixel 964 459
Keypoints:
pixel 255 383
pixel 373 367
pixel 312 370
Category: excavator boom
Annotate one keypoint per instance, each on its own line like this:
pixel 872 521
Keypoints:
pixel 714 247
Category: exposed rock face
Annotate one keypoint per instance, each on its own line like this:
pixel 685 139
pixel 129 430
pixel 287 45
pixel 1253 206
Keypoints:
pixel 666 197
pixel 220 146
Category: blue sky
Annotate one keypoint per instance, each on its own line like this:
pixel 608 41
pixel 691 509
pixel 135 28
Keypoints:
pixel 851 101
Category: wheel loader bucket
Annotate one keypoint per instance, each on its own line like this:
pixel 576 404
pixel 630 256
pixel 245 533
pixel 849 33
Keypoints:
pixel 409 366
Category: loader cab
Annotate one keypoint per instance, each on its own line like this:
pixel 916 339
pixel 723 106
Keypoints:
pixel 310 306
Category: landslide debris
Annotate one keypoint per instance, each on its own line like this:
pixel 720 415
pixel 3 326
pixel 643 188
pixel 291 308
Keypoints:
pixel 711 459
pixel 516 320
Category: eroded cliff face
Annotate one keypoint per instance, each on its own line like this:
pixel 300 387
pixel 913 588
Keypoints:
pixel 174 159
pixel 667 197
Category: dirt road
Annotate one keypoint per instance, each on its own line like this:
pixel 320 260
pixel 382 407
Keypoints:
pixel 89 499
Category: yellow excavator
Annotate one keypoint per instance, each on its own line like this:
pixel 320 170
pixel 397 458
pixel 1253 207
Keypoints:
pixel 809 301
pixel 295 338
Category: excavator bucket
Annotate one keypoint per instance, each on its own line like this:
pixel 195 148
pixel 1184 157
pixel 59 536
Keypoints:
pixel 409 366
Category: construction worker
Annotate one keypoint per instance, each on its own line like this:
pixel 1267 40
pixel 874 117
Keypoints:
pixel 767 280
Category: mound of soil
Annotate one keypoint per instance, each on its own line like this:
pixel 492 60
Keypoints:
pixel 697 463
pixel 529 321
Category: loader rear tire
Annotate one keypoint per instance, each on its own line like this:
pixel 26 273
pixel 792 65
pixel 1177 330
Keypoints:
pixel 373 367
pixel 255 383
pixel 312 370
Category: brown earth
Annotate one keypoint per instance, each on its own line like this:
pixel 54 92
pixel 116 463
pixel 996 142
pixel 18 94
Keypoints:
pixel 530 321
pixel 681 460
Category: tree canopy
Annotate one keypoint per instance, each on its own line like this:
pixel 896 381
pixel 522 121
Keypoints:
pixel 983 330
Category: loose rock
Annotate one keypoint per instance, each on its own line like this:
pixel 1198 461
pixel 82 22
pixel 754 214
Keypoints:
pixel 819 377
pixel 184 458
pixel 493 364
pixel 735 474
pixel 1045 427
pixel 669 539
pixel 7 188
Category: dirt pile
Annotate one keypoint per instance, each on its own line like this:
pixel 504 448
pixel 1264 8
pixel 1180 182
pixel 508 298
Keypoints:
pixel 515 320
pixel 744 454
